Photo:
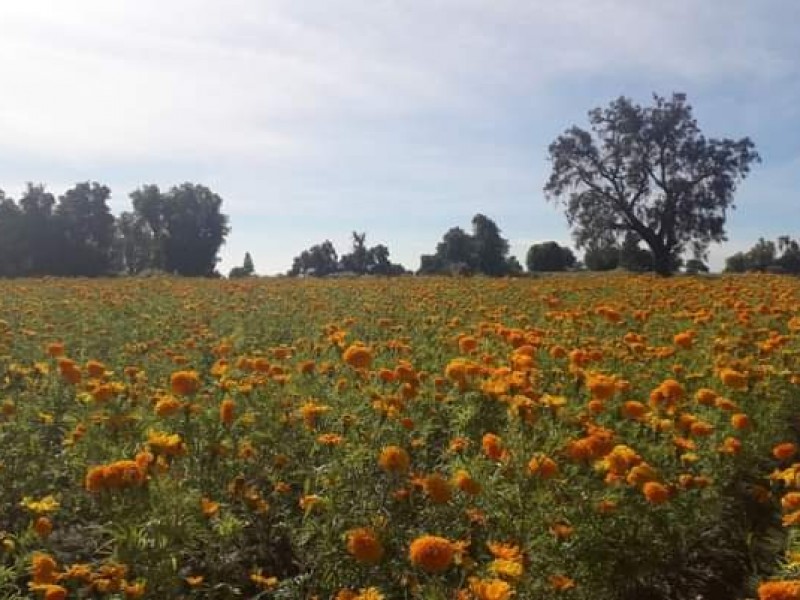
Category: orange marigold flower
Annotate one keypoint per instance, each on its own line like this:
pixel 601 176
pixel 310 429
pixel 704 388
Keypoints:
pixel 43 527
pixel 733 379
pixel 791 501
pixel 167 406
pixel 95 369
pixel 655 493
pixel 55 349
pixel 358 356
pixel 505 551
pixel 363 544
pixel 458 444
pixel 641 474
pixel 634 410
pixel 49 591
pixel 490 589
pixel 329 439
pixel 135 590
pixel 701 428
pixel 683 340
pixel 562 530
pixel 169 444
pixel 602 387
pixel 394 459
pixel 69 371
pixel 464 481
pixel 44 568
pixel 437 488
pixel 467 344
pixel 705 396
pixel 606 507
pixel 784 451
pixel 740 421
pixel 779 590
pixel 561 582
pixel 492 446
pixel 731 445
pixel 209 507
pixel 226 412
pixel 184 383
pixel 431 553
pixel 672 389
pixel 543 466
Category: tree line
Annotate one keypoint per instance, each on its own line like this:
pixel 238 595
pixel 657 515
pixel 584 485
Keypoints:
pixel 641 188
pixel 179 231
pixel 322 259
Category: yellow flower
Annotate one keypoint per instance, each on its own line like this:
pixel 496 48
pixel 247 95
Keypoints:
pixel 44 506
pixel 169 444
pixel 512 569
pixel 265 583
pixel 490 589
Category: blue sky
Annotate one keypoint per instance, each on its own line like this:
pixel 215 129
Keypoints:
pixel 399 118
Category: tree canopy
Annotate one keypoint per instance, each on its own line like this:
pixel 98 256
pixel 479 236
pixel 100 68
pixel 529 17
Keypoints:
pixel 549 256
pixel 247 269
pixel 322 259
pixel 484 251
pixel 782 256
pixel 77 235
pixel 647 170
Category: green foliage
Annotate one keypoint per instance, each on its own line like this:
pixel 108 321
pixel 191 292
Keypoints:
pixel 782 256
pixel 321 260
pixel 85 229
pixel 549 256
pixel 485 251
pixel 178 232
pixel 246 270
pixel 601 257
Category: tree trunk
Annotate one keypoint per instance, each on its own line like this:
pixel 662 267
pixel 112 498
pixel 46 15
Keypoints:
pixel 662 261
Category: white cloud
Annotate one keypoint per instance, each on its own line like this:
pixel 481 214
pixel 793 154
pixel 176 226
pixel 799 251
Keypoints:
pixel 351 107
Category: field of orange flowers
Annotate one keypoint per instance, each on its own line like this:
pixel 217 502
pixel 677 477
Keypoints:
pixel 570 437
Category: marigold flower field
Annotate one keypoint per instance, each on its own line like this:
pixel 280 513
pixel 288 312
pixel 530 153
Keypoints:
pixel 567 437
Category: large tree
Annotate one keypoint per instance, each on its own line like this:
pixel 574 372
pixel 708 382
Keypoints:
pixel 194 230
pixel 12 251
pixel 484 251
pixel 491 248
pixel 319 260
pixel 647 170
pixel 85 229
pixel 38 232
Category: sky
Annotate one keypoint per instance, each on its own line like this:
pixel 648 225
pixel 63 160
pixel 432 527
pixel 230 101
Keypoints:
pixel 398 118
